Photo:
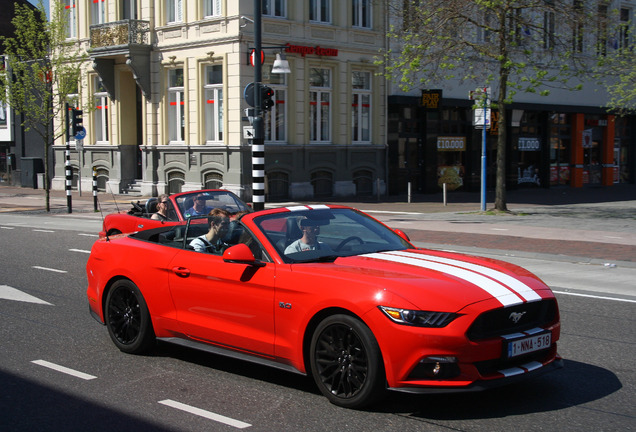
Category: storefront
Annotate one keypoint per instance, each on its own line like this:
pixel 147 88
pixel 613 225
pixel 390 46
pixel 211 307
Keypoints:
pixel 545 148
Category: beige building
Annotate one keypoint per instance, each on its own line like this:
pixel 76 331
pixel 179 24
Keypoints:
pixel 165 81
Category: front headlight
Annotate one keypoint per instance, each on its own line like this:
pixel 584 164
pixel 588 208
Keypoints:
pixel 419 318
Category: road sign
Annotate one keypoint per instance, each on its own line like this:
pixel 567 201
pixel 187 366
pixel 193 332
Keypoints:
pixel 248 132
pixel 253 54
pixel 80 134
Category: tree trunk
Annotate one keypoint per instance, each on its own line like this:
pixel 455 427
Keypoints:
pixel 500 189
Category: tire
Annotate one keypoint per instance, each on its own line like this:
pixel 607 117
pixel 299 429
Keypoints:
pixel 128 319
pixel 346 362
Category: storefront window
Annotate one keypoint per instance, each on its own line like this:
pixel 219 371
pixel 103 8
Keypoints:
pixel 450 161
pixel 529 147
pixel 592 143
pixel 621 149
pixel 560 142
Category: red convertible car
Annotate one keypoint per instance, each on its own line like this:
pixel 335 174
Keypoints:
pixel 330 292
pixel 181 206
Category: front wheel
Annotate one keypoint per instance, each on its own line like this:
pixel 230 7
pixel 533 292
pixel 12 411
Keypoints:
pixel 128 319
pixel 346 362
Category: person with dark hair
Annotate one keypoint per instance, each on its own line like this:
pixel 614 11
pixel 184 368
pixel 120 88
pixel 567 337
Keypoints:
pixel 212 241
pixel 309 240
pixel 163 204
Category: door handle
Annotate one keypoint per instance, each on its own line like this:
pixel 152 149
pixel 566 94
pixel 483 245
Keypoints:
pixel 181 271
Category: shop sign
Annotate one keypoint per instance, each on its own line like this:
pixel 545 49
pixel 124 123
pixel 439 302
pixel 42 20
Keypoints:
pixel 451 143
pixel 529 144
pixel 588 142
pixel 431 99
pixel 317 50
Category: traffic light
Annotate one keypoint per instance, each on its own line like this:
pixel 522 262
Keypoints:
pixel 76 121
pixel 266 97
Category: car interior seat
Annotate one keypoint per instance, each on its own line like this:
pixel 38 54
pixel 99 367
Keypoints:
pixel 292 233
pixel 151 206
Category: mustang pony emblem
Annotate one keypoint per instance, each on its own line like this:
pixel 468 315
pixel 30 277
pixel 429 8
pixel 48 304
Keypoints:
pixel 516 316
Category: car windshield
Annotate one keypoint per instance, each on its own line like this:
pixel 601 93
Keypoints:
pixel 201 203
pixel 326 234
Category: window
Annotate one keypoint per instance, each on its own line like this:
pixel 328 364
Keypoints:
pixel 549 24
pixel 176 179
pixel 213 181
pixel 361 13
pixel 361 107
pixel 212 8
pixel 363 179
pixel 276 118
pixel 174 11
pixel 98 12
pixel 578 30
pixel 320 105
pixel 71 23
pixel 100 115
pixel 320 11
pixel 601 30
pixel 623 28
pixel 274 8
pixel 213 103
pixel 322 181
pixel 277 186
pixel 129 9
pixel 176 111
pixel 410 13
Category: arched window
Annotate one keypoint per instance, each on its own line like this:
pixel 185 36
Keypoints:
pixel 102 179
pixel 322 181
pixel 277 186
pixel 363 179
pixel 176 180
pixel 213 181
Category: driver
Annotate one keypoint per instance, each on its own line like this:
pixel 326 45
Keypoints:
pixel 309 240
pixel 198 207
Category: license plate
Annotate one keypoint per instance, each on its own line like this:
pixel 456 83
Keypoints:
pixel 529 344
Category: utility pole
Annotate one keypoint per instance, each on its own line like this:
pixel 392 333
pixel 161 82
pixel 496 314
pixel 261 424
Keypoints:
pixel 258 142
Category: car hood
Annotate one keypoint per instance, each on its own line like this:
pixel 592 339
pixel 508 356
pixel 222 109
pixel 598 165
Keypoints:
pixel 433 280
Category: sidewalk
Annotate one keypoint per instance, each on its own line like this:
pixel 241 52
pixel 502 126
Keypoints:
pixel 593 223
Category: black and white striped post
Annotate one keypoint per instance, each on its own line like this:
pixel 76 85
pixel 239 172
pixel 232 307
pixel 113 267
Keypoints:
pixel 94 189
pixel 258 143
pixel 69 171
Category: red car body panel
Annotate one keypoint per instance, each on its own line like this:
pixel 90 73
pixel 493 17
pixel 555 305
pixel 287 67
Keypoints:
pixel 269 310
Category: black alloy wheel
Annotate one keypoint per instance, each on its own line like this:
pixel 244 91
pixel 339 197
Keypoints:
pixel 346 362
pixel 128 319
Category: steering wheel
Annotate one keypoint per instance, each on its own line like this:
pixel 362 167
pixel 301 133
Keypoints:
pixel 347 240
pixel 137 207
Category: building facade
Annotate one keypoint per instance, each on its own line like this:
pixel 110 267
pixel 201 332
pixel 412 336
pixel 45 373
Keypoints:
pixel 165 85
pixel 565 139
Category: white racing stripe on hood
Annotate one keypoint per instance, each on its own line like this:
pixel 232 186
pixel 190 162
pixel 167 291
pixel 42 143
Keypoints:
pixel 527 293
pixel 492 287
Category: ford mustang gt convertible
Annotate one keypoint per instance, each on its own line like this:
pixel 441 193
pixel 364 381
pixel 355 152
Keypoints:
pixel 180 207
pixel 330 292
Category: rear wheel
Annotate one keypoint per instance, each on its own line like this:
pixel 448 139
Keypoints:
pixel 346 362
pixel 128 319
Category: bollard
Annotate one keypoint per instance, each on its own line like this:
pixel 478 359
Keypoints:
pixel 94 189
pixel 444 193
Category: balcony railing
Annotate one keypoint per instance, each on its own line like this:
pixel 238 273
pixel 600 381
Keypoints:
pixel 120 33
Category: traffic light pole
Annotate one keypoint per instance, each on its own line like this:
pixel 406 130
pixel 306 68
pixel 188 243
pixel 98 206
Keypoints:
pixel 69 172
pixel 258 142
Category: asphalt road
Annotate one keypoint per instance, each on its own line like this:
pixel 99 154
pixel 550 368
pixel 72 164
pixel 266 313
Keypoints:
pixel 59 371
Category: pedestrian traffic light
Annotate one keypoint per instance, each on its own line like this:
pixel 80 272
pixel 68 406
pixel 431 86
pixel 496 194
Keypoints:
pixel 266 97
pixel 76 121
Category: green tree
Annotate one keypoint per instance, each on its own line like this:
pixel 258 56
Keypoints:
pixel 43 69
pixel 511 45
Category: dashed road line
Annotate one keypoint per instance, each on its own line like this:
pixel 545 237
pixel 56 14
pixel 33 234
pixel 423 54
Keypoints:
pixel 80 250
pixel 205 414
pixel 49 269
pixel 64 370
pixel 44 231
pixel 594 296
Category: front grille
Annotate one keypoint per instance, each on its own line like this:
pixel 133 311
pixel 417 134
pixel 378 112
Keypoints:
pixel 499 322
pixel 489 367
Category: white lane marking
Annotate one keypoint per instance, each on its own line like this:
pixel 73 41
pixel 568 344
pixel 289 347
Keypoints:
pixel 88 235
pixel 514 284
pixel 205 414
pixel 41 230
pixel 501 293
pixel 392 212
pixel 80 250
pixel 594 296
pixel 63 369
pixel 6 227
pixel 49 269
pixel 499 229
pixel 9 293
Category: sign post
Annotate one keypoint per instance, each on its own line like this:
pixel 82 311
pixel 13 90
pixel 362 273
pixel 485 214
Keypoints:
pixel 482 95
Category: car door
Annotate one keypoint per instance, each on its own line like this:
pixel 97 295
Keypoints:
pixel 230 304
